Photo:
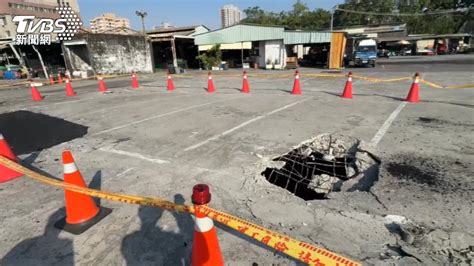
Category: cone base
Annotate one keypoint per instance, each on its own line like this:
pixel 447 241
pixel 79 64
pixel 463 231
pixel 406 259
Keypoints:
pixel 80 228
pixel 6 174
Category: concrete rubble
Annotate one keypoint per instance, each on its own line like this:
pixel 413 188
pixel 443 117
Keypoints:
pixel 360 166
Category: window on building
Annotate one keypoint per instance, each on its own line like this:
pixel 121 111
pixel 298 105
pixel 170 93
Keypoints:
pixel 3 21
pixel 8 33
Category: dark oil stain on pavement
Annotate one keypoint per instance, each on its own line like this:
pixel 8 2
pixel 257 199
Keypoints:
pixel 437 173
pixel 28 132
pixel 436 123
pixel 413 173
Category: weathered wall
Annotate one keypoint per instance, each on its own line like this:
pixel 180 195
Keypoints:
pixel 77 58
pixel 116 54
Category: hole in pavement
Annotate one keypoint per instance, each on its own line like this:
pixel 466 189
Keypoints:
pixel 326 163
pixel 28 132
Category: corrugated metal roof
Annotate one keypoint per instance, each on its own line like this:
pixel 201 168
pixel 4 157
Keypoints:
pixel 248 33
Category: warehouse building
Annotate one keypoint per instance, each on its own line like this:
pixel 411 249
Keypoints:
pixel 272 47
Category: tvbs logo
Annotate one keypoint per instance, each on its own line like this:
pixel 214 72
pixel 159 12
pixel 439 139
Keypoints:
pixel 27 25
pixel 33 31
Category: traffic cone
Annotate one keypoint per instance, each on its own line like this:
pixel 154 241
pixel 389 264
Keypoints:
pixel 296 85
pixel 206 250
pixel 170 85
pixel 135 84
pixel 69 90
pixel 210 83
pixel 60 78
pixel 245 84
pixel 414 94
pixel 6 173
pixel 81 210
pixel 102 86
pixel 35 94
pixel 348 88
pixel 51 79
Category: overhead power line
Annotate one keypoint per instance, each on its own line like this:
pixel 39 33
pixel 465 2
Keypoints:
pixel 441 12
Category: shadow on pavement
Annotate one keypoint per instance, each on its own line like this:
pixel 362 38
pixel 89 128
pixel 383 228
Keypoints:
pixel 151 245
pixel 46 249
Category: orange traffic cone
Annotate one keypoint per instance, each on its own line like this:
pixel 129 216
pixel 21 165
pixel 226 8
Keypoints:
pixel 413 95
pixel 170 85
pixel 60 78
pixel 210 83
pixel 206 250
pixel 135 84
pixel 296 86
pixel 7 174
pixel 35 94
pixel 69 90
pixel 348 88
pixel 102 86
pixel 51 79
pixel 245 84
pixel 81 210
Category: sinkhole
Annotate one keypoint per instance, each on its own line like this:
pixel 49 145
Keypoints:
pixel 324 164
pixel 27 131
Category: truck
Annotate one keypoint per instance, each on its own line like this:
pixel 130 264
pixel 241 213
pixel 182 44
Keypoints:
pixel 361 52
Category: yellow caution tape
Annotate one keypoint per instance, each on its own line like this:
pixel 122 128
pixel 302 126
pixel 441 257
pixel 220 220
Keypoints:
pixel 14 84
pixel 376 80
pixel 431 84
pixel 460 86
pixel 301 251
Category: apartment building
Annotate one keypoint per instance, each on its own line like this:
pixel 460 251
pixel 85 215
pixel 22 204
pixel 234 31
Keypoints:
pixel 230 15
pixel 108 22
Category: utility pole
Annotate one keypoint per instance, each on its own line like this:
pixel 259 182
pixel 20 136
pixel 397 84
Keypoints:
pixel 143 15
pixel 333 10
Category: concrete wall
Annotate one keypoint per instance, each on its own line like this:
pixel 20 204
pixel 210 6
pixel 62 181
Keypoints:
pixel 117 54
pixel 273 51
pixel 77 58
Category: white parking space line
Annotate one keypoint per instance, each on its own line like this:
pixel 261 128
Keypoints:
pixel 162 115
pixel 119 174
pixel 123 105
pixel 134 155
pixel 124 172
pixel 381 132
pixel 304 81
pixel 227 132
pixel 58 103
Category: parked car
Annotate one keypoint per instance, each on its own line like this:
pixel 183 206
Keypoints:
pixel 425 52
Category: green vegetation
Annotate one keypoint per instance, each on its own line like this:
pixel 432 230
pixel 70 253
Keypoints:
pixel 211 57
pixel 298 18
pixel 301 17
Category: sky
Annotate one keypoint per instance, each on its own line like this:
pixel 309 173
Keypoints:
pixel 183 12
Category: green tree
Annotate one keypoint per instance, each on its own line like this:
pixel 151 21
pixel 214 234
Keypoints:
pixel 438 23
pixel 300 17
pixel 344 19
pixel 211 57
pixel 419 23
